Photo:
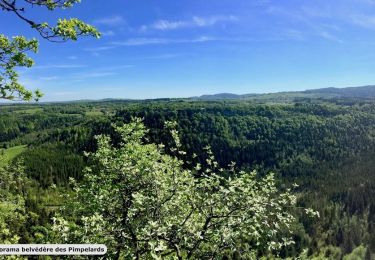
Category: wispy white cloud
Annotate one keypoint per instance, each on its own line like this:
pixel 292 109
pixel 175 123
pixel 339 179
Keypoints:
pixel 30 82
pixel 312 20
pixel 49 78
pixel 365 21
pixel 164 56
pixel 59 66
pixel 99 48
pixel 110 21
pixel 98 72
pixel 72 57
pixel 166 25
pixel 142 41
pixel 160 41
pixel 134 42
pixel 108 33
pixel 115 68
pixel 196 21
pixel 63 94
pixel 86 75
pixel 313 12
pixel 328 36
pixel 76 76
pixel 210 21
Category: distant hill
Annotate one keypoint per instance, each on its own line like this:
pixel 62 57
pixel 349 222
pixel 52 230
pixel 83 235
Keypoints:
pixel 224 96
pixel 351 92
pixel 364 92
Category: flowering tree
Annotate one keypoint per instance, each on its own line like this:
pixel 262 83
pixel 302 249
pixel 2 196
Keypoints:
pixel 13 214
pixel 143 203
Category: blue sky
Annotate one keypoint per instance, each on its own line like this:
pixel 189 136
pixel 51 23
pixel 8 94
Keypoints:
pixel 164 48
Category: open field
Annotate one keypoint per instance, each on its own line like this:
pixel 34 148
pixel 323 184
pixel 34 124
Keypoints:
pixel 10 153
pixel 30 111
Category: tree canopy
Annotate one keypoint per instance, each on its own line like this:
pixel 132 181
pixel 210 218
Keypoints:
pixel 143 203
pixel 325 147
pixel 13 51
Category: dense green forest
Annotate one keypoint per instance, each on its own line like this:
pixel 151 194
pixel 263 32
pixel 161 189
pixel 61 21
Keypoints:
pixel 326 147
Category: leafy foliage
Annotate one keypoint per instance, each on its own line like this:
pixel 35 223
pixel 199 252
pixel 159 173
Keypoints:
pixel 143 203
pixel 13 51
pixel 326 147
pixel 13 214
pixel 12 54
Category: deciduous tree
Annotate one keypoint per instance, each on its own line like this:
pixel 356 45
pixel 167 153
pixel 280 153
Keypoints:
pixel 13 51
pixel 143 203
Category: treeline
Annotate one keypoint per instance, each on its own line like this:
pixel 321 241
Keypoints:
pixel 290 138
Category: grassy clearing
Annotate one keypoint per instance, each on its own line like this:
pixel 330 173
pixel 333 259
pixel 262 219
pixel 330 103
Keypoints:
pixel 29 111
pixel 7 155
pixel 94 113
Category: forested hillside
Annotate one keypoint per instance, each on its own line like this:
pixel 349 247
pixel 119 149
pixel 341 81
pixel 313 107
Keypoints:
pixel 363 92
pixel 326 147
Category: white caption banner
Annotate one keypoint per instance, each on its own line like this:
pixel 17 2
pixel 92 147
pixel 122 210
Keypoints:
pixel 52 249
